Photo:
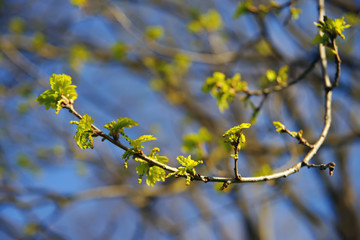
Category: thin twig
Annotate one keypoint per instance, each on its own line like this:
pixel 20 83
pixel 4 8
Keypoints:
pixel 236 158
pixel 278 88
pixel 299 137
pixel 337 62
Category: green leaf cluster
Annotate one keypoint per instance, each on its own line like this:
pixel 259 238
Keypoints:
pixel 168 75
pixel 193 142
pixel 61 92
pixel 78 55
pixel 153 174
pixel 118 126
pixel 224 89
pixel 272 77
pixel 84 132
pixel 187 169
pixel 248 7
pixel 280 128
pixel 136 144
pixel 208 22
pixel 154 32
pixel 116 129
pixel 234 135
pixel 331 28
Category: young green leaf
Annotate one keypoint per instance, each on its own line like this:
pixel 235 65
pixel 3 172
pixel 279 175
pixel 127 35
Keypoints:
pixel 136 144
pixel 194 142
pixel 234 136
pixel 153 174
pixel 279 126
pixel 331 28
pixel 118 127
pixel 224 89
pixel 275 78
pixel 62 91
pixel 187 169
pixel 84 132
pixel 271 75
pixel 127 155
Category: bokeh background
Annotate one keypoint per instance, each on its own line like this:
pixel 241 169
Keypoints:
pixel 148 60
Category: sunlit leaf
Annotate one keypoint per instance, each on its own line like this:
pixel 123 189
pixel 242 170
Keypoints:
pixel 224 89
pixel 136 144
pixel 61 90
pixel 279 126
pixel 187 168
pixel 153 174
pixel 118 126
pixel 84 132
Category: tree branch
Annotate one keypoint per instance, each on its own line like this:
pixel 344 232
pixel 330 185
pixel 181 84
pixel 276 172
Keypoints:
pixel 238 179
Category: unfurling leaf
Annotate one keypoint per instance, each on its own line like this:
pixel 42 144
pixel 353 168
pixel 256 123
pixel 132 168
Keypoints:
pixel 62 91
pixel 279 127
pixel 275 78
pixel 234 136
pixel 136 144
pixel 193 142
pixel 116 128
pixel 224 89
pixel 152 173
pixel 84 132
pixel 330 28
pixel 187 169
